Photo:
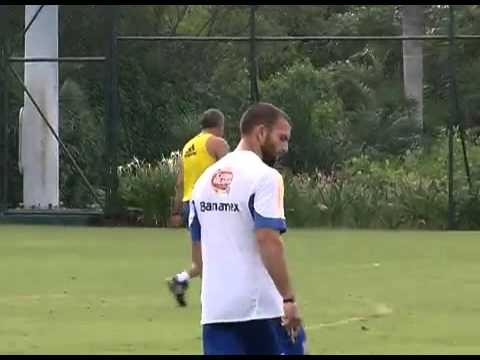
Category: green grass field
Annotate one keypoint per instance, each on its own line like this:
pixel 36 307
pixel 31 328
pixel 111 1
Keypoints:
pixel 102 291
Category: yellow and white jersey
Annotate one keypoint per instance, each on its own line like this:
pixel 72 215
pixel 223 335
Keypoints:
pixel 196 159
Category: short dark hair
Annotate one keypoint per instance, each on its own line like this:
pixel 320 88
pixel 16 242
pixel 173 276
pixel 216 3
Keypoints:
pixel 261 114
pixel 211 119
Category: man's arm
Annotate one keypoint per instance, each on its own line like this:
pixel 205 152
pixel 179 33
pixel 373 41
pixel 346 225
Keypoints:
pixel 197 263
pixel 196 235
pixel 217 147
pixel 272 251
pixel 178 202
pixel 269 217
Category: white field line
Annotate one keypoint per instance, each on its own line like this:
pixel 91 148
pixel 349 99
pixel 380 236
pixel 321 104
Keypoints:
pixel 381 312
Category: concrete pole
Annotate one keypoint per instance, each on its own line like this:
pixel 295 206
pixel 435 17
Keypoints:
pixel 40 150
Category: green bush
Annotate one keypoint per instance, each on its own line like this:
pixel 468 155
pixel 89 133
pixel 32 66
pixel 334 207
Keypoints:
pixel 404 193
pixel 468 211
pixel 150 187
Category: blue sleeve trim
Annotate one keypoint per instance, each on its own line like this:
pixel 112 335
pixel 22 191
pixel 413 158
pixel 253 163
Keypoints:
pixel 263 222
pixel 195 227
pixel 267 223
pixel 251 207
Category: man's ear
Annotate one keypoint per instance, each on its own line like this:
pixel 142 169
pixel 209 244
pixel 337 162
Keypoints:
pixel 261 133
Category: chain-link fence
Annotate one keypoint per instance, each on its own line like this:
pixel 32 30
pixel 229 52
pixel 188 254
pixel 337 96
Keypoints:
pixel 342 72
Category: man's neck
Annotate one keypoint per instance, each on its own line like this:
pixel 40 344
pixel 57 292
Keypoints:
pixel 246 145
pixel 208 132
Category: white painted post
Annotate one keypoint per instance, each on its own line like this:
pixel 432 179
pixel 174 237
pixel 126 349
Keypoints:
pixel 40 150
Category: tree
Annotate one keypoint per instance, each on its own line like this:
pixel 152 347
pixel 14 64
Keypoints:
pixel 413 23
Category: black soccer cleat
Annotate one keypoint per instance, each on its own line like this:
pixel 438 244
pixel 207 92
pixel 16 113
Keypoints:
pixel 178 290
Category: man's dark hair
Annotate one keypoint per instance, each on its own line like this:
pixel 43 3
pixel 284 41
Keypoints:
pixel 211 119
pixel 261 114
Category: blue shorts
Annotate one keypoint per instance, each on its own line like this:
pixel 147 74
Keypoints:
pixel 186 213
pixel 260 337
pixel 288 347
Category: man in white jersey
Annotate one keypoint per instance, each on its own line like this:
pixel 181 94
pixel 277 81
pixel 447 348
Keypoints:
pixel 236 222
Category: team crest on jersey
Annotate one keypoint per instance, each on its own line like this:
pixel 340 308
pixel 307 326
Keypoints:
pixel 221 181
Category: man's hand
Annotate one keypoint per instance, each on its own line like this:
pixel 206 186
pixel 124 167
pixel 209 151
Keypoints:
pixel 291 320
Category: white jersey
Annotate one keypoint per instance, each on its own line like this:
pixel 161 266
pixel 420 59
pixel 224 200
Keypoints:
pixel 233 198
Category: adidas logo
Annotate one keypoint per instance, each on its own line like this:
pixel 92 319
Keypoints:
pixel 191 151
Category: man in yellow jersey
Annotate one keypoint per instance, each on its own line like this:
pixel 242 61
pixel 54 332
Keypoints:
pixel 197 155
